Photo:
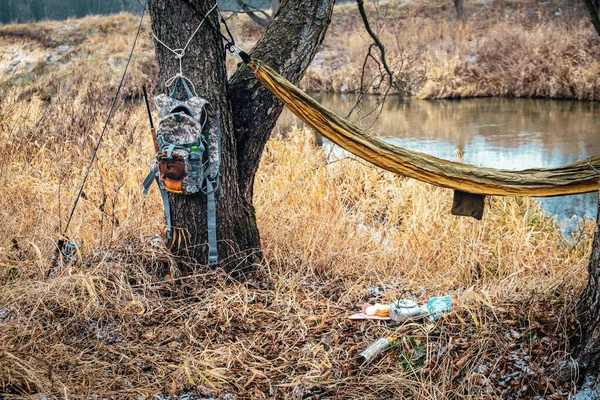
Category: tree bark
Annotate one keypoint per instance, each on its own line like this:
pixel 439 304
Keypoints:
pixel 247 111
pixel 587 349
pixel 458 4
pixel 588 314
pixel 288 45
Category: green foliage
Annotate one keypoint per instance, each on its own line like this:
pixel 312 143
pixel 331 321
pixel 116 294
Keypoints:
pixel 414 359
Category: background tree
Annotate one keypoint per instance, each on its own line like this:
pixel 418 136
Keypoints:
pixel 248 112
pixel 27 10
pixel 37 9
pixel 458 5
pixel 592 8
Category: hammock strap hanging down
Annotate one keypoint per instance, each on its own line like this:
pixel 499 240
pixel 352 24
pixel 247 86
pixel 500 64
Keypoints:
pixel 575 178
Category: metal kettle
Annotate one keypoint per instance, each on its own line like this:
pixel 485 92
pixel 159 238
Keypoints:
pixel 402 310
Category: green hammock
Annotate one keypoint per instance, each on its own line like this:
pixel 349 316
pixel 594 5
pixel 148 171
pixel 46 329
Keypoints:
pixel 578 177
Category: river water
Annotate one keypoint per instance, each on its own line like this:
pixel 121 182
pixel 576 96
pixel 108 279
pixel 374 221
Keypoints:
pixel 498 133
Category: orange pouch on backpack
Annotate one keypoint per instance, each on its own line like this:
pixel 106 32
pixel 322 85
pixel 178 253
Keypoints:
pixel 173 168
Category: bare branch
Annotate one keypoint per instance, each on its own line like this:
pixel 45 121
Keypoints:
pixel 361 9
pixel 383 70
pixel 253 13
pixel 234 13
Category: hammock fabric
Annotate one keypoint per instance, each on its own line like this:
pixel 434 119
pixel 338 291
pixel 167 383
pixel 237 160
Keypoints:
pixel 578 177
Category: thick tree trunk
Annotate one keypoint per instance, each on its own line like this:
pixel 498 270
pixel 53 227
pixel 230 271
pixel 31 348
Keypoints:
pixel 248 113
pixel 588 314
pixel 288 45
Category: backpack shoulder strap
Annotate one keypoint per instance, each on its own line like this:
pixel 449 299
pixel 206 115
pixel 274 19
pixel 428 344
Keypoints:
pixel 214 142
pixel 164 195
pixel 211 222
pixel 181 80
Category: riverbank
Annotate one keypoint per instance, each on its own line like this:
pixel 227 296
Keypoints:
pixel 501 49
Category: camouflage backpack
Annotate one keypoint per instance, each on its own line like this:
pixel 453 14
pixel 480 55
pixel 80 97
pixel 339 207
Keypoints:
pixel 188 157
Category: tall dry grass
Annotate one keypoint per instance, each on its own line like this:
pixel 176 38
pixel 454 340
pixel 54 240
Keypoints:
pixel 335 235
pixel 503 48
pixel 81 59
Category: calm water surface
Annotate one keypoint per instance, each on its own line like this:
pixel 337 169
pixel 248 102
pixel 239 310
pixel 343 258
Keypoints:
pixel 499 133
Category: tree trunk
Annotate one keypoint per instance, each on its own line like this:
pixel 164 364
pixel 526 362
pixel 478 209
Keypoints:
pixel 587 350
pixel 248 113
pixel 588 314
pixel 458 4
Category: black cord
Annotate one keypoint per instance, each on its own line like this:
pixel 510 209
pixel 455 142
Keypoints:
pixel 110 113
pixel 230 45
pixel 231 41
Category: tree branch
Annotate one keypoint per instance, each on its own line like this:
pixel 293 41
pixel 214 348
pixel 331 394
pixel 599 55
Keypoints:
pixel 252 13
pixel 363 14
pixel 234 13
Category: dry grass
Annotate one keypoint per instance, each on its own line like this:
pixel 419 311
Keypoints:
pixel 82 59
pixel 335 235
pixel 109 325
pixel 504 48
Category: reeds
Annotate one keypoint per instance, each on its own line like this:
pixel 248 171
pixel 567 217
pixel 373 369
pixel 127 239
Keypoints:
pixel 335 235
pixel 503 49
